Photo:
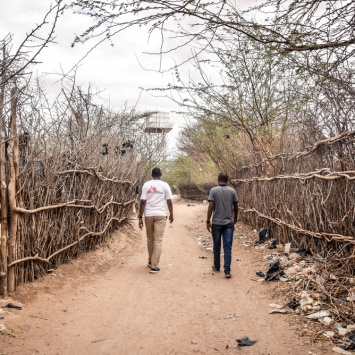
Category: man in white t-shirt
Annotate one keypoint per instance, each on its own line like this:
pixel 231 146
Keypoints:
pixel 155 195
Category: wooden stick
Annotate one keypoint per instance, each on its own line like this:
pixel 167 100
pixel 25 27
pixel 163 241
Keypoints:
pixel 3 187
pixel 12 197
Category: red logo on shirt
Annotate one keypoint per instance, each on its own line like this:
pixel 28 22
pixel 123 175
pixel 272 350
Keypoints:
pixel 151 190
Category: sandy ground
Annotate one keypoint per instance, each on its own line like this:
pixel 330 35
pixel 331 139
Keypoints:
pixel 106 302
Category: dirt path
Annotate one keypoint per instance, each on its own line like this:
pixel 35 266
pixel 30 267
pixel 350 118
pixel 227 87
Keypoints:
pixel 181 310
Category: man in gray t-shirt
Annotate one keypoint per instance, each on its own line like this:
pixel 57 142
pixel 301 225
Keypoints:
pixel 223 200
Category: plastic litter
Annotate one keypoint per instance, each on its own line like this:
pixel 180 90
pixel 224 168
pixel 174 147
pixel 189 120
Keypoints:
pixel 245 341
pixel 329 334
pixel 274 305
pixel 278 311
pixel 260 273
pixel 10 305
pixel 287 248
pixel 275 271
pixel 273 244
pixel 341 351
pixel 317 315
pixel 320 258
pixel 350 346
pixel 293 304
pixel 325 320
pixel 351 336
pixel 262 236
pixel 303 252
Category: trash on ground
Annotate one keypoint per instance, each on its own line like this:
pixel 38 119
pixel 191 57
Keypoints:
pixel 260 273
pixel 203 257
pixel 341 351
pixel 10 305
pixel 274 305
pixel 303 252
pixel 262 236
pixel 245 341
pixel 329 334
pixel 293 304
pixel 230 316
pixel 273 244
pixel 275 271
pixel 278 311
pixel 287 248
pixel 317 315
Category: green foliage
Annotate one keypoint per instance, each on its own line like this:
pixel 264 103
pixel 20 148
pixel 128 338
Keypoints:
pixel 183 169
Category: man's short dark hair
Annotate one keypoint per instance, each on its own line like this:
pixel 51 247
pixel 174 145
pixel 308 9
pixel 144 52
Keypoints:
pixel 156 172
pixel 223 177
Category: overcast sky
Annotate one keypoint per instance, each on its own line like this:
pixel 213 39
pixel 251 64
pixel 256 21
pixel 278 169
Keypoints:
pixel 116 69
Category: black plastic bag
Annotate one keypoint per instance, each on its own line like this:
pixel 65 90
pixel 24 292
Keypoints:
pixel 262 236
pixel 10 305
pixel 303 252
pixel 275 271
pixel 245 341
pixel 273 244
pixel 293 304
pixel 260 273
pixel 351 346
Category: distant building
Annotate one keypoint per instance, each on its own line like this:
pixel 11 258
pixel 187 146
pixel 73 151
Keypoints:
pixel 158 122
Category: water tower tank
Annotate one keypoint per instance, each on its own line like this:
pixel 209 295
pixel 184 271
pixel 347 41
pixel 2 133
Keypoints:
pixel 158 122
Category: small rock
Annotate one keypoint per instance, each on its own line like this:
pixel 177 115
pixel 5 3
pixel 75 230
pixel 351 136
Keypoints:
pixel 318 315
pixel 341 351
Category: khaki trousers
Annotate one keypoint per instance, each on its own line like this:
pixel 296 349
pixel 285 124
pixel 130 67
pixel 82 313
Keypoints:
pixel 155 227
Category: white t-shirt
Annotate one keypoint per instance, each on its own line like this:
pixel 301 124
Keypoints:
pixel 156 192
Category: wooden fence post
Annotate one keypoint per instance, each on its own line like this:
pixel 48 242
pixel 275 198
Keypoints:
pixel 12 195
pixel 3 189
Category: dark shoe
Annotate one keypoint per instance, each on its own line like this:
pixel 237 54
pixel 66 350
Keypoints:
pixel 154 271
pixel 214 268
pixel 149 264
pixel 228 275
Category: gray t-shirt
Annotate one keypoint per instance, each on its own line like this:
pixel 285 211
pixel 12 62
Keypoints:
pixel 223 197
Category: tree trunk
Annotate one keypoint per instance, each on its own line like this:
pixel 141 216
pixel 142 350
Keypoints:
pixel 12 194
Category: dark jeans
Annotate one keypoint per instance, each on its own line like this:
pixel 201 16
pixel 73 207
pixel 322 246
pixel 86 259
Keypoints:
pixel 227 232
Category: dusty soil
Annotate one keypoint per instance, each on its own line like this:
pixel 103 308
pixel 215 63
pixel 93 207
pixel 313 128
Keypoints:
pixel 106 302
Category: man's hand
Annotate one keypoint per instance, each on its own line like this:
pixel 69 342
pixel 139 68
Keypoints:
pixel 171 218
pixel 140 223
pixel 209 227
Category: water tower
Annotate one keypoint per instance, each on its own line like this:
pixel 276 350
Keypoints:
pixel 157 125
pixel 158 122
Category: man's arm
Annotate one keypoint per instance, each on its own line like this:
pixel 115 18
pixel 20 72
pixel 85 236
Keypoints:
pixel 141 212
pixel 209 215
pixel 170 208
pixel 235 204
